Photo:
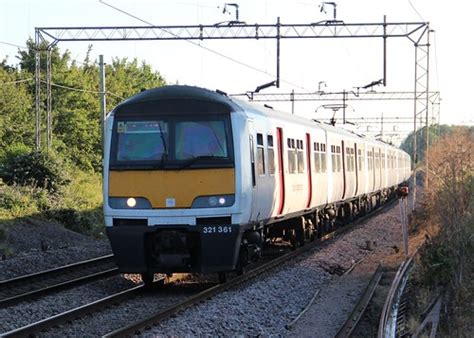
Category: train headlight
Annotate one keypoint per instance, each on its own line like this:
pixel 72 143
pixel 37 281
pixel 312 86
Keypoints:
pixel 213 201
pixel 129 203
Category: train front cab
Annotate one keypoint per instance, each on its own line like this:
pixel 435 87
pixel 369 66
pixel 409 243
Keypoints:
pixel 170 188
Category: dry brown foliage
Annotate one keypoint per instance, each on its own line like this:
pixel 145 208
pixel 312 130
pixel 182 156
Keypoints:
pixel 451 170
pixel 448 260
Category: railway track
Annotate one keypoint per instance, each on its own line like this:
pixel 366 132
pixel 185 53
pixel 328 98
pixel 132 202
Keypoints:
pixel 361 306
pixel 181 300
pixel 395 286
pixel 393 320
pixel 166 295
pixel 44 325
pixel 26 287
pixel 145 323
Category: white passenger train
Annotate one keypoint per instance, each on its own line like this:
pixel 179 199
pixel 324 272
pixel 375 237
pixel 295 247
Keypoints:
pixel 196 181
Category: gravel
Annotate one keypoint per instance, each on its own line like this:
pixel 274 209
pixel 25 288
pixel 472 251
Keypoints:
pixel 29 312
pixel 262 306
pixel 265 306
pixel 60 247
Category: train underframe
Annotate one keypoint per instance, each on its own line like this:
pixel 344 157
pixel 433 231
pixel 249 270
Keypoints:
pixel 147 250
pixel 326 219
pixel 311 225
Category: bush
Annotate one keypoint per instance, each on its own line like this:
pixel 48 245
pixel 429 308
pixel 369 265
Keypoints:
pixel 34 169
pixel 16 149
pixel 80 206
pixel 450 191
pixel 447 262
pixel 17 201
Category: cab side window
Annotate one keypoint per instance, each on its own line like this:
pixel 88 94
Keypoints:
pixel 260 155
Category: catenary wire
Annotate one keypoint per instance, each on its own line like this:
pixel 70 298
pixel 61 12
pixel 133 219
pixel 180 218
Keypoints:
pixel 414 8
pixel 82 90
pixel 15 82
pixel 205 48
pixel 13 45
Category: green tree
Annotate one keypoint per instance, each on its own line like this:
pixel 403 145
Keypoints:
pixel 75 98
pixel 16 114
pixel 125 79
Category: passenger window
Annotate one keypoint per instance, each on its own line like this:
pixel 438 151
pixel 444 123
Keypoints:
pixel 317 164
pixel 338 159
pixel 291 156
pixel 352 160
pixel 323 157
pixel 333 159
pixel 271 155
pixel 300 156
pixel 348 159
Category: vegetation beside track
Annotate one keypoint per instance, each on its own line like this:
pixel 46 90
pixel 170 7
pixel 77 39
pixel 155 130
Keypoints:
pixel 446 264
pixel 62 183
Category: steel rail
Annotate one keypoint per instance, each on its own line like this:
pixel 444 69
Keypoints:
pixel 139 325
pixel 39 283
pixel 37 327
pixel 359 310
pixel 388 319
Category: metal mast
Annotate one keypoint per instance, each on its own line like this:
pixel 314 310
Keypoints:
pixel 422 64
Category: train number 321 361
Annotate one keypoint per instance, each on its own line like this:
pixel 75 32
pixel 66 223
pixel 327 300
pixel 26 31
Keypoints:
pixel 217 229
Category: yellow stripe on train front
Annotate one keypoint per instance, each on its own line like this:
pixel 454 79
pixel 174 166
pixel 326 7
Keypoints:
pixel 181 185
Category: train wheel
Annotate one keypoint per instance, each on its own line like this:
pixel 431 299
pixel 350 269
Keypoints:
pixel 300 237
pixel 241 270
pixel 148 278
pixel 310 230
pixel 365 205
pixel 312 235
pixel 293 239
pixel 243 260
pixel 222 277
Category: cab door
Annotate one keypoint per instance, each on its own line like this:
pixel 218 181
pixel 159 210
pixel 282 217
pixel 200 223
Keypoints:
pixel 253 169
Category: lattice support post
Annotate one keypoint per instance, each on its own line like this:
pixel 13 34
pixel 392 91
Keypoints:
pixel 421 99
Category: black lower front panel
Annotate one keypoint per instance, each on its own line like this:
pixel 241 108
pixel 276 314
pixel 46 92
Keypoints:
pixel 168 249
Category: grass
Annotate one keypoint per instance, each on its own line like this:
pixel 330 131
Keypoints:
pixel 77 206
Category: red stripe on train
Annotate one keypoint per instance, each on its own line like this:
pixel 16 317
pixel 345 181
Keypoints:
pixel 310 179
pixel 281 172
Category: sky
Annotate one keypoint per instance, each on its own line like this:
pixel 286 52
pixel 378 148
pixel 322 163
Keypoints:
pixel 342 64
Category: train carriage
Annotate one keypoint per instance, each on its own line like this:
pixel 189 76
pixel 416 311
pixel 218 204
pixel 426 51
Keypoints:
pixel 195 181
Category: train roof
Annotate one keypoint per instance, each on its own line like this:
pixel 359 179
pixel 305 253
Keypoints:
pixel 180 92
pixel 233 104
pixel 259 109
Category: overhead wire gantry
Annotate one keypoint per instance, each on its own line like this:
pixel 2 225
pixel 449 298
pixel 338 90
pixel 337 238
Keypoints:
pixel 416 32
